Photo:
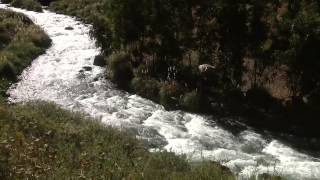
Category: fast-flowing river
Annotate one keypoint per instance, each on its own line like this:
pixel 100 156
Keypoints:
pixel 59 76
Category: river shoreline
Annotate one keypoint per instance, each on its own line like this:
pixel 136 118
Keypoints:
pixel 99 98
pixel 191 91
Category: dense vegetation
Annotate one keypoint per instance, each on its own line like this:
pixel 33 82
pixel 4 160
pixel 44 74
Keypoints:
pixel 20 42
pixel 258 59
pixel 32 5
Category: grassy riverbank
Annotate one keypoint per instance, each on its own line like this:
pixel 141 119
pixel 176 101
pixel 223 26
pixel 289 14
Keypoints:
pixel 20 42
pixel 40 140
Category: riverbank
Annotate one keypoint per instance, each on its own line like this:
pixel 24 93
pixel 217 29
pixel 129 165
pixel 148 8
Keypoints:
pixel 197 69
pixel 20 42
pixel 40 140
pixel 71 81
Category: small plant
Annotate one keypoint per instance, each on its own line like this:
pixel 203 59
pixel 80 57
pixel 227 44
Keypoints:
pixel 170 94
pixel 7 69
pixel 191 101
pixel 120 69
pixel 148 88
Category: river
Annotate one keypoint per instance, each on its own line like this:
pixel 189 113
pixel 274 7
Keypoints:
pixel 59 76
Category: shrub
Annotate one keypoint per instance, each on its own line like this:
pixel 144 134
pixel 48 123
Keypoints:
pixel 30 5
pixel 170 93
pixel 260 97
pixel 45 2
pixel 234 100
pixel 120 69
pixel 148 88
pixel 7 69
pixel 191 101
pixel 37 36
pixel 6 1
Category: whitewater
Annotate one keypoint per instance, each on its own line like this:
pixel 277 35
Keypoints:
pixel 61 76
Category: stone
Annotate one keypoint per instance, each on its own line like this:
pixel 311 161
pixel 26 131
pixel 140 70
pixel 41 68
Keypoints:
pixel 99 61
pixel 69 28
pixel 203 68
pixel 87 68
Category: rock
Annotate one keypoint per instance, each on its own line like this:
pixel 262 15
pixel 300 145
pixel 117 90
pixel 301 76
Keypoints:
pixel 203 68
pixel 45 2
pixel 87 68
pixel 81 74
pixel 99 61
pixel 69 28
pixel 209 74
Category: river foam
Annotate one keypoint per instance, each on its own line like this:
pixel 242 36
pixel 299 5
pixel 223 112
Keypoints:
pixel 58 76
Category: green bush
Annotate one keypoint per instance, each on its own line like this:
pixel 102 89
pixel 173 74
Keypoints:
pixel 260 97
pixel 120 69
pixel 233 100
pixel 7 69
pixel 170 93
pixel 37 36
pixel 31 5
pixel 148 88
pixel 191 101
pixel 6 1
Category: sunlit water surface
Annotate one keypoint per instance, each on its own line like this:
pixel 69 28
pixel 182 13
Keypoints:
pixel 56 76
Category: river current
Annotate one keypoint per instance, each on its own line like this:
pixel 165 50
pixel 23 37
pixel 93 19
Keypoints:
pixel 59 76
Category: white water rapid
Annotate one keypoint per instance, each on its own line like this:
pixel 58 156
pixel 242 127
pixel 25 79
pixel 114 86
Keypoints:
pixel 55 76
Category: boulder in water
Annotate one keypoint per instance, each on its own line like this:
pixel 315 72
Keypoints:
pixel 87 68
pixel 99 61
pixel 69 28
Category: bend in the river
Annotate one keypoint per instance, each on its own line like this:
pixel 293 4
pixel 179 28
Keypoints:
pixel 59 76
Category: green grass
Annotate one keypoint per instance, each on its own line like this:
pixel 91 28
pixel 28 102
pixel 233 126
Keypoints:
pixel 40 140
pixel 20 42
